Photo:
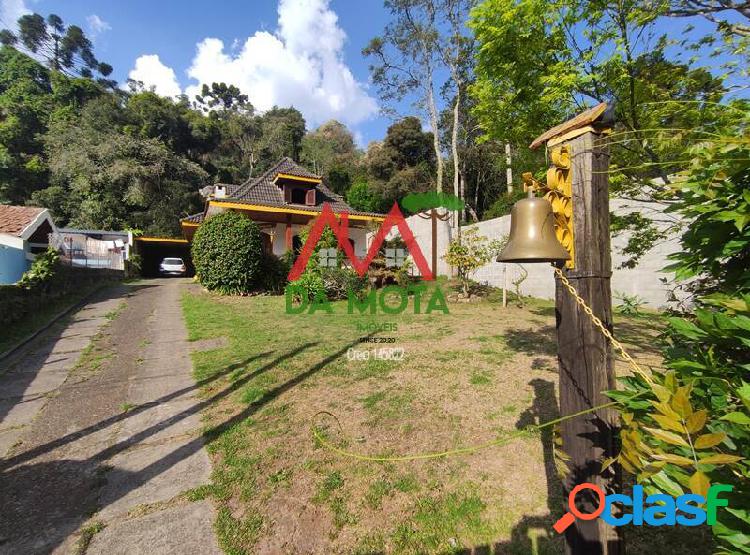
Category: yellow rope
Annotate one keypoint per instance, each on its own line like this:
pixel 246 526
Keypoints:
pixel 321 439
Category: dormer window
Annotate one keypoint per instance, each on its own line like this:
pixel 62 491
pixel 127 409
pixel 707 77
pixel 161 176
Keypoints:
pixel 298 189
pixel 299 195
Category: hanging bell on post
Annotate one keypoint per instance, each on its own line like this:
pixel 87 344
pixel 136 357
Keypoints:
pixel 532 234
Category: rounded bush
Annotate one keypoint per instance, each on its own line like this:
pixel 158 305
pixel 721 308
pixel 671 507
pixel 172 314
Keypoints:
pixel 227 253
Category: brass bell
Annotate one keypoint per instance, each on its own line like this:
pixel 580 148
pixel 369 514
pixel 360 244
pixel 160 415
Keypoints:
pixel 532 234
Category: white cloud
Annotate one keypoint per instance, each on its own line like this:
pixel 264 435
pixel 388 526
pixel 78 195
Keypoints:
pixel 359 139
pixel 155 75
pixel 97 25
pixel 299 65
pixel 10 11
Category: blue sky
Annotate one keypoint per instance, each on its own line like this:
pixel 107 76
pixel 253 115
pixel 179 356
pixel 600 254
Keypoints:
pixel 123 31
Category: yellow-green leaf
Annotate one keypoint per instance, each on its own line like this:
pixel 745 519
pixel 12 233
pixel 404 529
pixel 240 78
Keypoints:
pixel 674 459
pixel 709 440
pixel 668 437
pixel 696 421
pixel 699 483
pixel 670 381
pixel 721 458
pixel 631 456
pixel 606 463
pixel 650 469
pixel 665 409
pixel 681 402
pixel 669 423
pixel 627 466
pixel 661 392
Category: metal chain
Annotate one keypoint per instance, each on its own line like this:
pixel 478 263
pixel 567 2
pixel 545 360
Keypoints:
pixel 598 323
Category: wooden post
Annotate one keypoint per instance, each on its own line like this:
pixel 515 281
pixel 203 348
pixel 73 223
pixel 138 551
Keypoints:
pixel 584 355
pixel 434 218
pixel 288 234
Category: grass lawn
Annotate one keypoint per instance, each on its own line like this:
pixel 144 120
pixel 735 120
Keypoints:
pixel 474 375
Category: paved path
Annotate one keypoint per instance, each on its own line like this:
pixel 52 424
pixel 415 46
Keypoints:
pixel 114 449
pixel 30 377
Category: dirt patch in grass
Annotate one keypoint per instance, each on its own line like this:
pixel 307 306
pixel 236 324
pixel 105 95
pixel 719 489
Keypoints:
pixel 468 377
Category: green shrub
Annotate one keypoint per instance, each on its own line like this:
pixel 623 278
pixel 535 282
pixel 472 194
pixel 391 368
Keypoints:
pixel 273 273
pixel 630 305
pixel 337 282
pixel 227 253
pixel 42 270
pixel 471 251
pixel 690 427
pixel 133 266
pixel 311 282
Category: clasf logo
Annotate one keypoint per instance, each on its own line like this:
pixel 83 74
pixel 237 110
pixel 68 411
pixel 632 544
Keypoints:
pixel 656 510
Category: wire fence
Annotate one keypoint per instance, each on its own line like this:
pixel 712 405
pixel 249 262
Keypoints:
pixel 81 251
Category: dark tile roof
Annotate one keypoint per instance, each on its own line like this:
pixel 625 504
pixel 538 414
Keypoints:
pixel 263 191
pixel 194 218
pixel 288 166
pixel 14 219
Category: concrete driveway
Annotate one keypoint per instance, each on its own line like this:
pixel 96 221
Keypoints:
pixel 100 432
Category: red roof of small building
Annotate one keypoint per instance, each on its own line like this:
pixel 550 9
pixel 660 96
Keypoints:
pixel 14 219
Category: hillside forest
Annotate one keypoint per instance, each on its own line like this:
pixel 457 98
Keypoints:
pixel 102 154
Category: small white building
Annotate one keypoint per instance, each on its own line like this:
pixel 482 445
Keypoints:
pixel 24 232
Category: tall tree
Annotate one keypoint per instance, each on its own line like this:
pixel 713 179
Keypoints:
pixel 403 163
pixel 65 49
pixel 238 145
pixel 282 133
pixel 330 152
pixel 456 49
pixel 406 57
pixel 102 177
pixel 225 98
pixel 25 106
pixel 534 70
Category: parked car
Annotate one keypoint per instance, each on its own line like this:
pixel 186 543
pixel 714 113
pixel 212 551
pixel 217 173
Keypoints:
pixel 172 267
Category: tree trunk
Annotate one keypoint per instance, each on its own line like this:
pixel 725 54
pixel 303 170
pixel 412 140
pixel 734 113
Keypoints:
pixel 454 151
pixel 476 193
pixel 435 130
pixel 508 169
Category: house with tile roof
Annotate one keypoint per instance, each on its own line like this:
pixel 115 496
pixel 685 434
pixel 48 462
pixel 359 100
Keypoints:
pixel 282 201
pixel 24 232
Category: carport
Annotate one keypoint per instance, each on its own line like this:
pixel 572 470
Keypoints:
pixel 154 249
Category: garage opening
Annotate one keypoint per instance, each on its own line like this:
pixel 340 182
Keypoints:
pixel 155 249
